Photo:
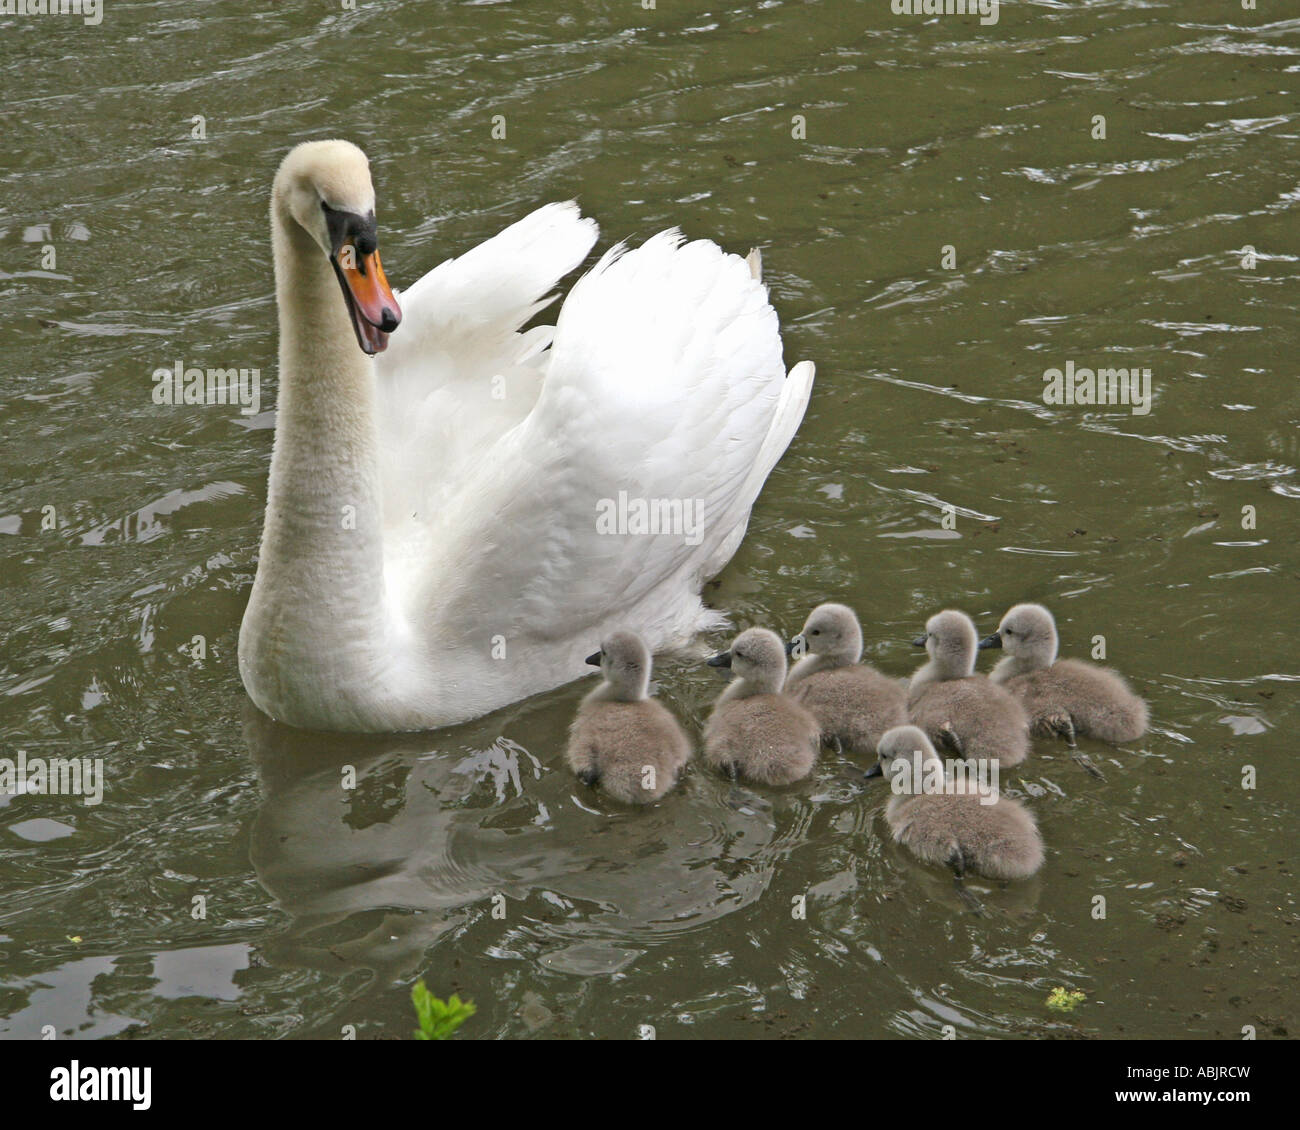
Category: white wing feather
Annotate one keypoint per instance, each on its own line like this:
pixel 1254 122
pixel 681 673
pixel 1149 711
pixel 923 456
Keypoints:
pixel 458 373
pixel 664 381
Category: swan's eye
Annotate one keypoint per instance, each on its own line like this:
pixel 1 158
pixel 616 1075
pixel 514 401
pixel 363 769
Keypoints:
pixel 816 632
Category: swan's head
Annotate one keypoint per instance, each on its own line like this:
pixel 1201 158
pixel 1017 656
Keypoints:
pixel 898 752
pixel 757 656
pixel 951 642
pixel 831 630
pixel 325 187
pixel 624 661
pixel 1027 632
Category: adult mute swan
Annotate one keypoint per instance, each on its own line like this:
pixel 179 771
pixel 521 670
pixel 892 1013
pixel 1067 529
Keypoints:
pixel 453 517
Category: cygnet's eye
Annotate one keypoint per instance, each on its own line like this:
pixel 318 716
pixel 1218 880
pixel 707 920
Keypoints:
pixel 1009 631
pixel 816 632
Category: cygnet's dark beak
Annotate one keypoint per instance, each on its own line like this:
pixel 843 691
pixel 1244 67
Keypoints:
pixel 593 660
pixel 874 771
pixel 919 641
pixel 794 647
pixel 722 659
pixel 995 640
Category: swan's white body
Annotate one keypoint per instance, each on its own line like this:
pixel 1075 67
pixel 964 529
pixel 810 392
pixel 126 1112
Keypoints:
pixel 431 549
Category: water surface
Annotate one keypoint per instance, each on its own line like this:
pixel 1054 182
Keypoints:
pixel 323 905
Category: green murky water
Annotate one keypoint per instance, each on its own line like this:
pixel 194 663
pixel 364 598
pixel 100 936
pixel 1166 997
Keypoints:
pixel 921 133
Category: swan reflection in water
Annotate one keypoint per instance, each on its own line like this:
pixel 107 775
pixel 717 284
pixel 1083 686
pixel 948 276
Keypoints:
pixel 440 827
pixel 398 876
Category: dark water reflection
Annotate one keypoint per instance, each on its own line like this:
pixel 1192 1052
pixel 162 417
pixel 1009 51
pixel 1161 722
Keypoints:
pixel 436 829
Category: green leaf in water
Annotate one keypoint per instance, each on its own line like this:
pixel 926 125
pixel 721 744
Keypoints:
pixel 438 1018
pixel 1065 1000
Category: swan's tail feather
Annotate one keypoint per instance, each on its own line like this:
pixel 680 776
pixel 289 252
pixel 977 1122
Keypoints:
pixel 789 415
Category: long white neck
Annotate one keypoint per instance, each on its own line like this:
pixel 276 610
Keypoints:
pixel 324 512
pixel 320 572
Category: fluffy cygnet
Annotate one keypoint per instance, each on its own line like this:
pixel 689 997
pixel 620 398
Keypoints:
pixel 622 738
pixel 1062 696
pixel 854 704
pixel 756 731
pixel 998 840
pixel 957 708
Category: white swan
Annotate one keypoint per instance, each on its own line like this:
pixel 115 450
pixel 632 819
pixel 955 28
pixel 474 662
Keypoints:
pixel 431 548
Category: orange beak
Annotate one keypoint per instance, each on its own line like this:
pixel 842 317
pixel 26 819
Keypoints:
pixel 371 302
